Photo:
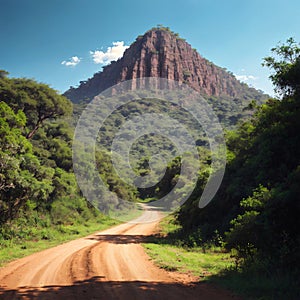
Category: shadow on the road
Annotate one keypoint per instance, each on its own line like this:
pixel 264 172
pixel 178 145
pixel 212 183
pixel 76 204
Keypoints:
pixel 95 288
pixel 171 239
pixel 121 239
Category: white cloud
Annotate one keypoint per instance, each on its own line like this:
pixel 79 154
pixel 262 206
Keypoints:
pixel 72 62
pixel 245 78
pixel 112 53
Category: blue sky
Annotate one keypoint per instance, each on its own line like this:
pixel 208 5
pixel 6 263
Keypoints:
pixel 57 42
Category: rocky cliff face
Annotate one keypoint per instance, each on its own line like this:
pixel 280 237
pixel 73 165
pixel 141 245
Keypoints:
pixel 162 53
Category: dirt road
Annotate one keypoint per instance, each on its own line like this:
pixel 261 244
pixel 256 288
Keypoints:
pixel 107 265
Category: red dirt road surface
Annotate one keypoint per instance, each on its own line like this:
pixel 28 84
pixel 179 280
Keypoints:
pixel 108 265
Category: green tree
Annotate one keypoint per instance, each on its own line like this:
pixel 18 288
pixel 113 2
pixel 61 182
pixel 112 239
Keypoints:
pixel 285 63
pixel 247 231
pixel 21 175
pixel 37 100
pixel 257 204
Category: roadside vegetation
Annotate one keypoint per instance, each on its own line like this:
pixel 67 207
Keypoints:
pixel 40 202
pixel 255 215
pixel 173 250
pixel 21 241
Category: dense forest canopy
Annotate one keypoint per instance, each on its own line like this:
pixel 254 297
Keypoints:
pixel 256 210
pixel 37 184
pixel 38 101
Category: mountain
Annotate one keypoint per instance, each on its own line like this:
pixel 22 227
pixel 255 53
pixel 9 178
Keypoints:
pixel 162 53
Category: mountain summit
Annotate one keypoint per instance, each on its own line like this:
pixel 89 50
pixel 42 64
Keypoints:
pixel 162 53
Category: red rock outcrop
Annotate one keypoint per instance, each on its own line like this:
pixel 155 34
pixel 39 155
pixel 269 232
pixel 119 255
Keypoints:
pixel 162 53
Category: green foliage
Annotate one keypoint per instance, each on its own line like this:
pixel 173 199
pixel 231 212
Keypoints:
pixel 144 148
pixel 37 100
pixel 21 175
pixel 191 261
pixel 34 231
pixel 256 210
pixel 71 210
pixel 286 67
pixel 36 178
pixel 53 142
pixel 173 250
pixel 247 231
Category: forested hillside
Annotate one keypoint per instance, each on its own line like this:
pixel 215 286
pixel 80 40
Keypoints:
pixel 256 211
pixel 38 189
